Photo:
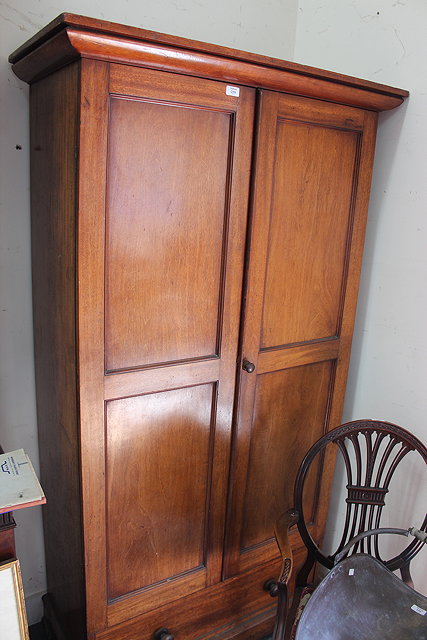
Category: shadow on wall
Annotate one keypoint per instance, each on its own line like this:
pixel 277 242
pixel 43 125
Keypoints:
pixel 390 125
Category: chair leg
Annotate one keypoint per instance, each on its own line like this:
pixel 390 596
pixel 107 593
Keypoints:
pixel 406 575
pixel 282 612
pixel 304 572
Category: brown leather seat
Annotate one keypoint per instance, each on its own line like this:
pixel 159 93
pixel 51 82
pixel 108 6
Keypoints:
pixel 360 599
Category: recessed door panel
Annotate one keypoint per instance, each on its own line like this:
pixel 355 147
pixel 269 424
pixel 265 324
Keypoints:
pixel 158 462
pixel 289 415
pixel 167 200
pixel 311 209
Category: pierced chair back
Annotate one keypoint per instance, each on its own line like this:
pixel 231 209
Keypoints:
pixel 372 451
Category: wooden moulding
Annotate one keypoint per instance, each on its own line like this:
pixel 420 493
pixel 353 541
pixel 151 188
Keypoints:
pixel 70 37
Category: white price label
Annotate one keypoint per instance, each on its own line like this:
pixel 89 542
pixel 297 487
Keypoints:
pixel 232 91
pixel 418 610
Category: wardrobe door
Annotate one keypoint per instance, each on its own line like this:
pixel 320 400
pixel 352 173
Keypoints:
pixel 310 197
pixel 162 237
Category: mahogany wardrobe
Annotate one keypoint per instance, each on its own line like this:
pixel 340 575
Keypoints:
pixel 198 217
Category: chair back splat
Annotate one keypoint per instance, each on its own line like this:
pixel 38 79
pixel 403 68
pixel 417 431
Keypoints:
pixel 372 451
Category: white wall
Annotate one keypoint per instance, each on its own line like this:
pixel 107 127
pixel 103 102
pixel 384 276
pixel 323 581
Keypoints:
pixel 385 41
pixel 266 27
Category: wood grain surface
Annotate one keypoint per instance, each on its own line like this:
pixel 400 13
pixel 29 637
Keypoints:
pixel 71 36
pixel 54 132
pixel 308 208
pixel 168 171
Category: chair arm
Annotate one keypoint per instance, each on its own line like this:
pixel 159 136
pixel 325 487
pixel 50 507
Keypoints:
pixel 280 588
pixel 372 532
pixel 281 530
pixel 404 569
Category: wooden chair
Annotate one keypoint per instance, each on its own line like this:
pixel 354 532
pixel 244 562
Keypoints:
pixel 371 451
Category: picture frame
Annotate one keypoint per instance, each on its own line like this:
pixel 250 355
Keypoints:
pixel 13 616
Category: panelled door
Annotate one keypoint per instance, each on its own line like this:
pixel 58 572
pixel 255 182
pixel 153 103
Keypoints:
pixel 310 197
pixel 162 257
